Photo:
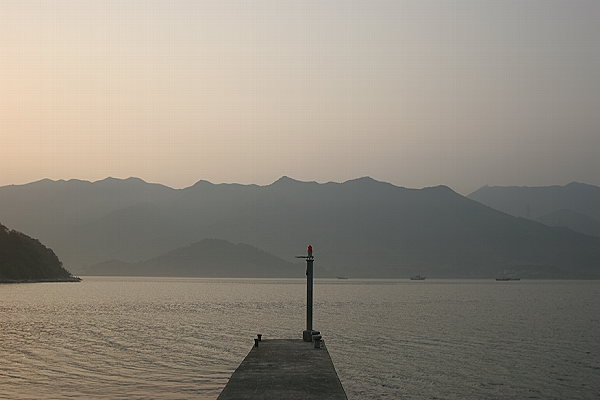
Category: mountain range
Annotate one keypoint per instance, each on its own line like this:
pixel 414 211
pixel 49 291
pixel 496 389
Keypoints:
pixel 575 206
pixel 207 258
pixel 360 228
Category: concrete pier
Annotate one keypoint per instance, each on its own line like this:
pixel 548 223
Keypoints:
pixel 285 369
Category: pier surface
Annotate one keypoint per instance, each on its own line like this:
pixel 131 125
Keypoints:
pixel 285 369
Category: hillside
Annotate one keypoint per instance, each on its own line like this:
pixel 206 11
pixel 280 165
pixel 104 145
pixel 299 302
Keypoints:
pixel 360 228
pixel 573 220
pixel 575 206
pixel 23 259
pixel 207 258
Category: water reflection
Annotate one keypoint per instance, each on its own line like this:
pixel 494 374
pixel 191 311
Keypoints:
pixel 174 338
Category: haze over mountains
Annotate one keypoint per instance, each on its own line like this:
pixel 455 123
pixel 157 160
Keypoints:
pixel 360 228
pixel 207 258
pixel 575 206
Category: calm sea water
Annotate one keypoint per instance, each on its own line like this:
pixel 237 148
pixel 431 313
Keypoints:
pixel 164 338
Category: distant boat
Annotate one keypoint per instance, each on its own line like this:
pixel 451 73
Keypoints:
pixel 417 277
pixel 342 277
pixel 507 277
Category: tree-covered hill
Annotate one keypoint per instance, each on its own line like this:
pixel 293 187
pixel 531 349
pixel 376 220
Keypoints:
pixel 24 259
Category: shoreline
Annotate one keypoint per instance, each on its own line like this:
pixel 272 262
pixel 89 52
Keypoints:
pixel 70 279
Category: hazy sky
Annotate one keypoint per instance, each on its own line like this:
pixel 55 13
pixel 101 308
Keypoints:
pixel 417 93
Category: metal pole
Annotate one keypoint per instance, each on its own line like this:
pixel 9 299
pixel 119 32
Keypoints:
pixel 309 293
pixel 307 334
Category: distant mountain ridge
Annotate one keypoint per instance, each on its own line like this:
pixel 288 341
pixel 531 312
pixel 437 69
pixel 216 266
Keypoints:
pixel 207 258
pixel 573 220
pixel 360 228
pixel 575 206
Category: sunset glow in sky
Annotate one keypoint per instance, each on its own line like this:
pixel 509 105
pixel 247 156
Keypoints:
pixel 417 93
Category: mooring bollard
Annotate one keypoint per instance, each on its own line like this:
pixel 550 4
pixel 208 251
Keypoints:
pixel 317 340
pixel 259 335
pixel 256 342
